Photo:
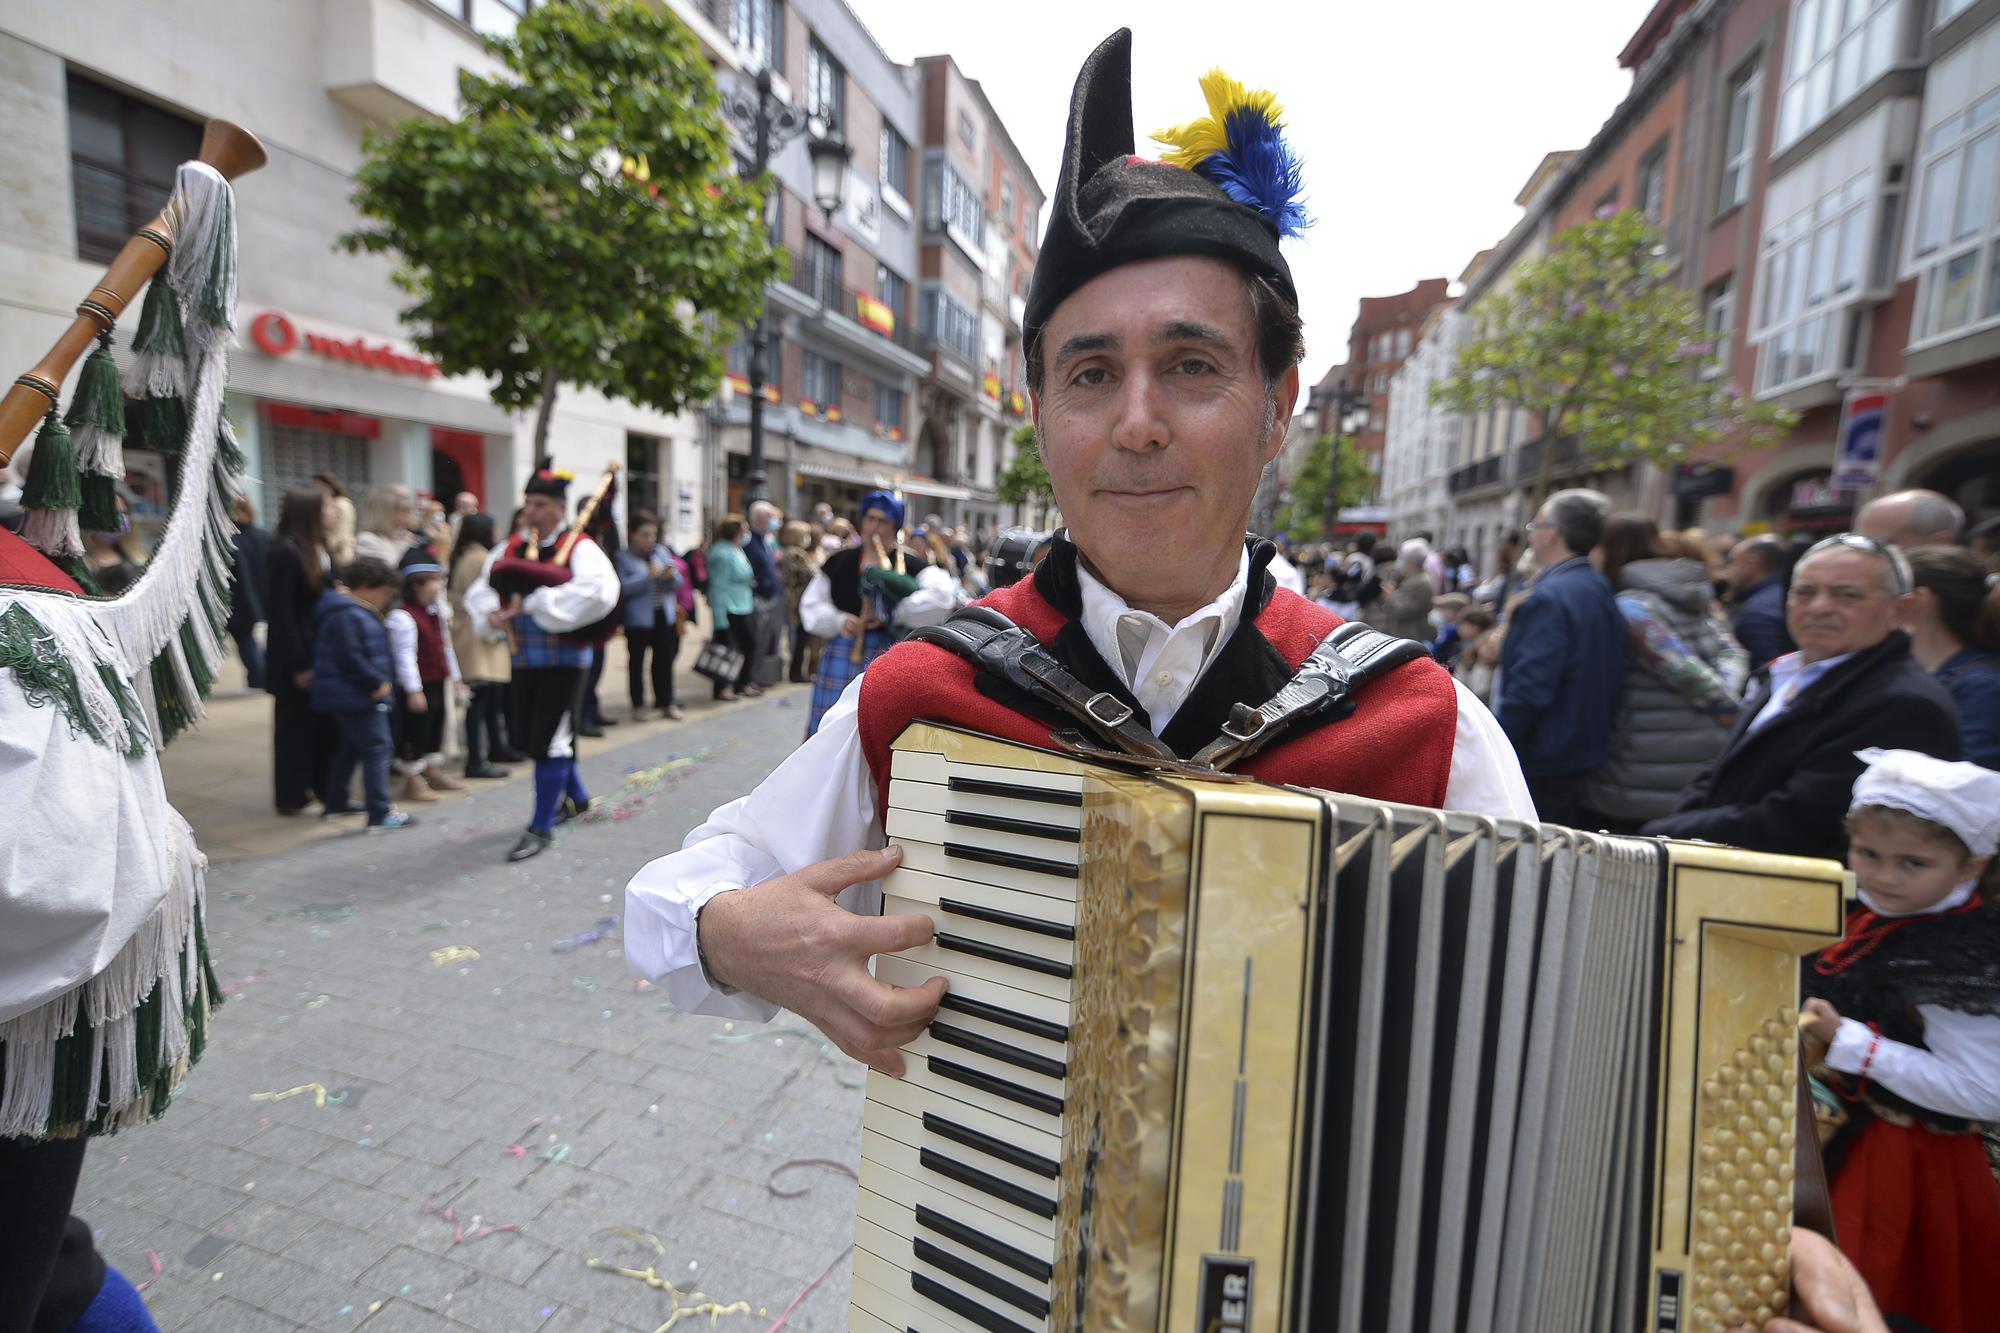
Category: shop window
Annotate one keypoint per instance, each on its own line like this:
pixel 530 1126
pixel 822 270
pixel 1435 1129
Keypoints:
pixel 642 474
pixel 123 156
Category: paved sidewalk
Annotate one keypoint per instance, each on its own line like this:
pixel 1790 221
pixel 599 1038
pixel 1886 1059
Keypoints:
pixel 219 774
pixel 414 1025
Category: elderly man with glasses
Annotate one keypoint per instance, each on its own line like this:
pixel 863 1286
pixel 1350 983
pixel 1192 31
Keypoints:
pixel 1783 782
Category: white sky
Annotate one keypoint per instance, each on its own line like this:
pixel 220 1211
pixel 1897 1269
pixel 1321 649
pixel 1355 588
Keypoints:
pixel 1418 122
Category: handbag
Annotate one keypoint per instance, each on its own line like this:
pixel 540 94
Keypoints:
pixel 720 661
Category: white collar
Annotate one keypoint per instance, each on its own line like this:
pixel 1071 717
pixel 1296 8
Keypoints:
pixel 1957 898
pixel 1131 641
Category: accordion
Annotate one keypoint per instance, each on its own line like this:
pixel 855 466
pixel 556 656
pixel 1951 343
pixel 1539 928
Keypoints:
pixel 1225 1056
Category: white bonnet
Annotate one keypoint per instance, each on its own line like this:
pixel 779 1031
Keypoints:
pixel 1964 798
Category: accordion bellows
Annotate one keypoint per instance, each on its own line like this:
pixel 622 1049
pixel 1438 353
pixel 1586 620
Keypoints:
pixel 1224 1056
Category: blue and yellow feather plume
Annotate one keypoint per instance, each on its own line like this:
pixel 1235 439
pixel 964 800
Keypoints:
pixel 1240 146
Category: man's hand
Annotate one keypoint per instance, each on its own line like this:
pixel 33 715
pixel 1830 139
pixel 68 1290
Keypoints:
pixel 415 701
pixel 382 691
pixel 1819 1023
pixel 851 626
pixel 498 619
pixel 1832 1292
pixel 304 680
pixel 788 942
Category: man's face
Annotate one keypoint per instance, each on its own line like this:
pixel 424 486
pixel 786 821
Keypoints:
pixel 544 513
pixel 466 503
pixel 1745 568
pixel 1840 603
pixel 1155 424
pixel 877 527
pixel 1545 541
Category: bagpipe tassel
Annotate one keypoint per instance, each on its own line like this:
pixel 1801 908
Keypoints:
pixel 52 493
pixel 96 419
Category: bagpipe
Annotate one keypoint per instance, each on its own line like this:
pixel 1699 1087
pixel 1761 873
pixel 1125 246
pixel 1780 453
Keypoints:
pixel 523 567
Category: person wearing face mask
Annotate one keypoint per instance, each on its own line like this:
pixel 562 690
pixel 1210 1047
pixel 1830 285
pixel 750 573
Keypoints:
pixel 1902 1023
pixel 766 589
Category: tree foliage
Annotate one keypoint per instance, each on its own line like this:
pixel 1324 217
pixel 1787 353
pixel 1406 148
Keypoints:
pixel 1025 480
pixel 1309 500
pixel 1597 343
pixel 581 221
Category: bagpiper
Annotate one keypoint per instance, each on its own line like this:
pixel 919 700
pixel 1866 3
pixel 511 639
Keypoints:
pixel 555 592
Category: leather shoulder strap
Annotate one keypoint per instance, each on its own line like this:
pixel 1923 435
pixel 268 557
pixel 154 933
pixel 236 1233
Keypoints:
pixel 994 644
pixel 1323 688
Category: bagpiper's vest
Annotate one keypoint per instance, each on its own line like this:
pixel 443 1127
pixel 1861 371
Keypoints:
pixel 1395 746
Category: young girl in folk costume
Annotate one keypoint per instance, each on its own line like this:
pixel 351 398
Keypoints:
pixel 1906 1014
pixel 420 649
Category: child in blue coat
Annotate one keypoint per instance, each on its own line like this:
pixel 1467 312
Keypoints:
pixel 352 683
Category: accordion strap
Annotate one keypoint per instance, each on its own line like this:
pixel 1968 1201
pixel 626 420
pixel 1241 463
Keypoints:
pixel 1322 690
pixel 995 644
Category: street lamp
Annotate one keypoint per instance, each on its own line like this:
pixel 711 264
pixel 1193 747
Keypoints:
pixel 760 116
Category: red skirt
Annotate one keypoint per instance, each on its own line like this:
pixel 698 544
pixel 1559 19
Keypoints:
pixel 1919 1214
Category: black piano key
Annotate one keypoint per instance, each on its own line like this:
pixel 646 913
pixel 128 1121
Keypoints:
pixel 980 1278
pixel 999 1087
pixel 1001 824
pixel 1004 1190
pixel 964 1307
pixel 999 1050
pixel 1012 792
pixel 992 1147
pixel 994 916
pixel 981 1243
pixel 1012 860
pixel 998 953
pixel 993 1013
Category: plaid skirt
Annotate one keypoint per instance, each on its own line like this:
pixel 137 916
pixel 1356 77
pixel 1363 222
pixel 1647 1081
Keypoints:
pixel 837 670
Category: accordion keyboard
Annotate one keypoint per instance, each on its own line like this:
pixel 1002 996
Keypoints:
pixel 962 1157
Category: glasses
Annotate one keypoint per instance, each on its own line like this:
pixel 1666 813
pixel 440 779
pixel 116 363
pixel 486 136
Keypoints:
pixel 1535 525
pixel 1899 568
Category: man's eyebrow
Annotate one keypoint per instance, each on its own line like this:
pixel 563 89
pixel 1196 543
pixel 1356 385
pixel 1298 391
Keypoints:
pixel 1085 343
pixel 1188 330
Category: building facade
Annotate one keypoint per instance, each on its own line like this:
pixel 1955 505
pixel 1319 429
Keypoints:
pixel 1421 436
pixel 1378 343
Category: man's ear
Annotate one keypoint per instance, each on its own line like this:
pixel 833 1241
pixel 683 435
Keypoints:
pixel 1287 390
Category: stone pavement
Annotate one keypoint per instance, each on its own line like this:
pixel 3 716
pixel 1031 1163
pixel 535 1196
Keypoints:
pixel 528 1088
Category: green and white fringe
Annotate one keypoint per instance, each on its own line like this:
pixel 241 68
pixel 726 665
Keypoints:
pixel 108 1054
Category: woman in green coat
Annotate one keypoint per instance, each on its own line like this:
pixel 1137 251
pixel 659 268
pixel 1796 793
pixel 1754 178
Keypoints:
pixel 730 601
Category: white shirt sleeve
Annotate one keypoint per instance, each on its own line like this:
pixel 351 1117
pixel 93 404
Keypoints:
pixel 450 653
pixel 588 597
pixel 938 595
pixel 817 613
pixel 818 804
pixel 403 650
pixel 1958 1076
pixel 1486 776
pixel 480 599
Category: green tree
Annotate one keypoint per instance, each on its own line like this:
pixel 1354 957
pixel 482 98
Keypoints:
pixel 1311 505
pixel 1025 480
pixel 580 222
pixel 1596 342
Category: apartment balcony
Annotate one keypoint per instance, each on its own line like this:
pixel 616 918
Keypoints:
pixel 1478 476
pixel 390 59
pixel 851 319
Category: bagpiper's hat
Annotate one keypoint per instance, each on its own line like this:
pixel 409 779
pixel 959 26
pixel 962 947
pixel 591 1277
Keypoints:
pixel 550 480
pixel 884 503
pixel 1228 187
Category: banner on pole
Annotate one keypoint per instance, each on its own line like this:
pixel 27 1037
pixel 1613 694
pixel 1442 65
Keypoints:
pixel 1857 449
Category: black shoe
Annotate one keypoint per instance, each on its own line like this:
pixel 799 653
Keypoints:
pixel 336 811
pixel 531 844
pixel 486 771
pixel 509 756
pixel 590 729
pixel 569 809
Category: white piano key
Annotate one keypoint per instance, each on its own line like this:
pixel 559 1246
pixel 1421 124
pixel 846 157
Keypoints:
pixel 912 826
pixel 926 887
pixel 919 1072
pixel 936 1185
pixel 894 1307
pixel 914 1101
pixel 930 858
pixel 890 1200
pixel 919 766
pixel 1012 1296
pixel 926 1314
pixel 1047 947
pixel 900 970
pixel 860 1321
pixel 1068 783
pixel 910 1131
pixel 928 1045
pixel 929 798
pixel 940 959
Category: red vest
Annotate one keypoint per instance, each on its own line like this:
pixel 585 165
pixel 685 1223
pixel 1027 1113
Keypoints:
pixel 431 664
pixel 1395 746
pixel 22 564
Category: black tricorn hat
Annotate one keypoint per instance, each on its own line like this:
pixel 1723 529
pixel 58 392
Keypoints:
pixel 1113 208
pixel 548 480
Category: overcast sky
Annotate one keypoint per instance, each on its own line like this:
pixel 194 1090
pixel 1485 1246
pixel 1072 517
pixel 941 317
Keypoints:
pixel 1419 123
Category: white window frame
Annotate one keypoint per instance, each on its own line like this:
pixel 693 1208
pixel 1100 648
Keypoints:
pixel 1746 95
pixel 1651 185
pixel 1814 269
pixel 1948 10
pixel 826 83
pixel 1719 320
pixel 1943 239
pixel 1835 49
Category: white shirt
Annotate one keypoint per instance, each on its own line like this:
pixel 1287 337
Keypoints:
pixel 1287 574
pixel 590 595
pixel 1959 1075
pixel 1791 676
pixel 820 802
pixel 402 627
pixel 937 595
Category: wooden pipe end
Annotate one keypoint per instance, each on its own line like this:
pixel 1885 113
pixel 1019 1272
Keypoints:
pixel 230 149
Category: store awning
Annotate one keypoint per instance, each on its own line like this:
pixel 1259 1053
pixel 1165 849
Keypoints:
pixel 852 476
pixel 936 489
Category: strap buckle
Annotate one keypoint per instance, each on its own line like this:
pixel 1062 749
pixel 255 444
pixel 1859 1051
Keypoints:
pixel 1245 723
pixel 1114 713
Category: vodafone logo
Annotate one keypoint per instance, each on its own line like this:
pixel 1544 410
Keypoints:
pixel 276 335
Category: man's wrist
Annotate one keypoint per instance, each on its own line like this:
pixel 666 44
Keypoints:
pixel 708 971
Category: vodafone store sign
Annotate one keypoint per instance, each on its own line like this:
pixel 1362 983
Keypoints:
pixel 276 335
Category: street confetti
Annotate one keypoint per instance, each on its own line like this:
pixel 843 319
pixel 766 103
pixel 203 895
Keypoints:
pixel 643 786
pixel 318 1001
pixel 557 1152
pixel 153 1260
pixel 321 912
pixel 453 953
pixel 462 1232
pixel 841 1074
pixel 250 980
pixel 321 1097
pixel 606 927
pixel 686 1304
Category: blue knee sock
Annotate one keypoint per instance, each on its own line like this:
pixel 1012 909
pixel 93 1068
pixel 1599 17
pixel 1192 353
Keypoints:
pixel 550 779
pixel 574 784
pixel 118 1308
